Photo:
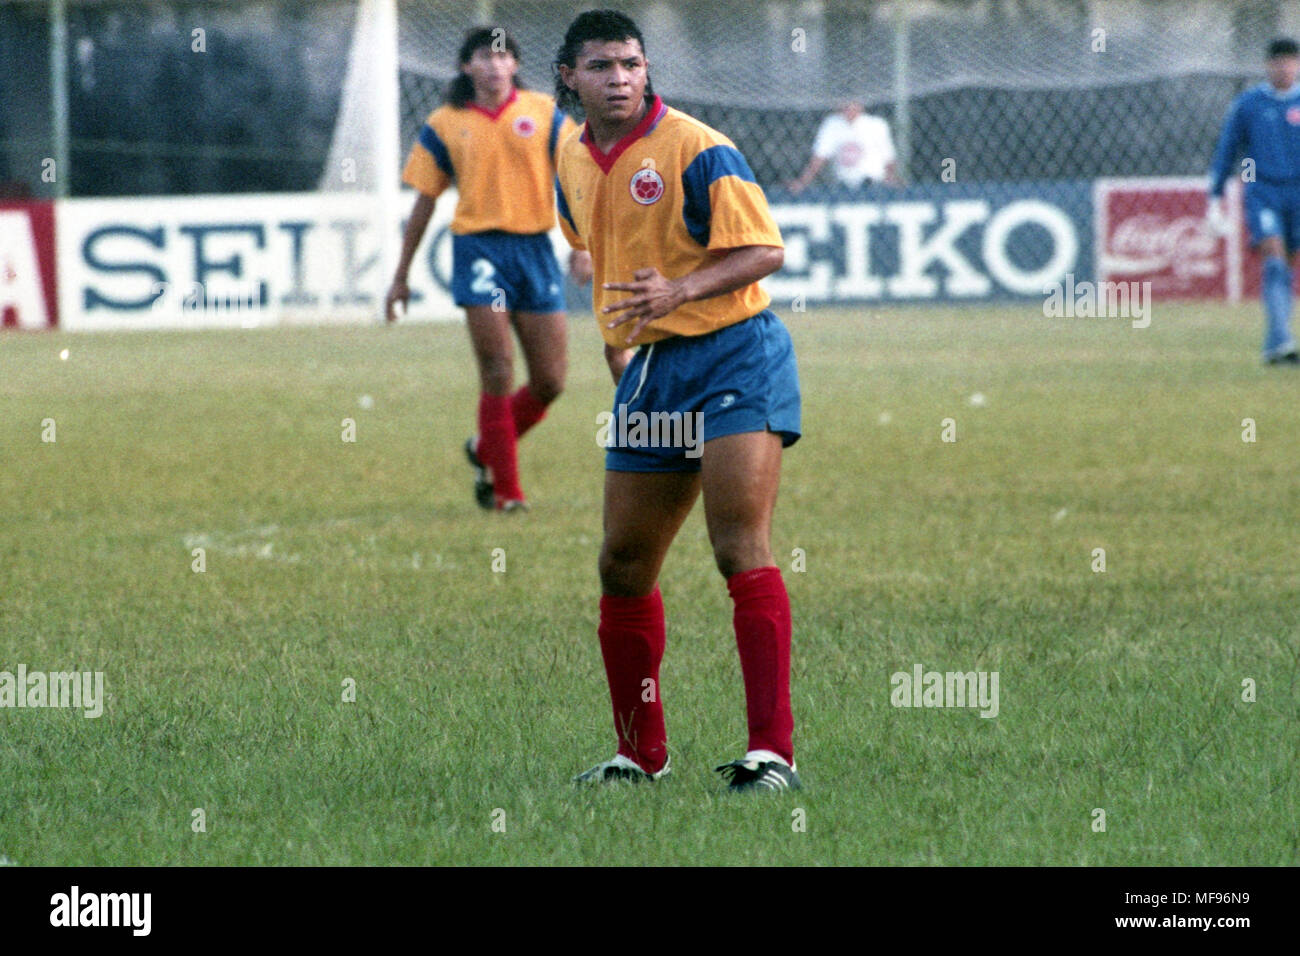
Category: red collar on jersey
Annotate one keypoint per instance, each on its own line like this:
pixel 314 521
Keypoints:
pixel 606 161
pixel 494 114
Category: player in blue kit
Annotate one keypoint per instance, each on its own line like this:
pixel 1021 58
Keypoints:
pixel 1264 125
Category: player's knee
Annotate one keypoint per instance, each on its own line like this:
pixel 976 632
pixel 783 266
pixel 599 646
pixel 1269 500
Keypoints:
pixel 623 571
pixel 496 375
pixel 547 388
pixel 734 553
pixel 615 569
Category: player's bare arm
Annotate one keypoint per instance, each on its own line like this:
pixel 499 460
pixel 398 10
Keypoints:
pixel 421 212
pixel 654 295
pixel 806 177
pixel 617 359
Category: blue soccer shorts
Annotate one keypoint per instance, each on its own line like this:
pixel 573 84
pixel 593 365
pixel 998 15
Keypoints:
pixel 1273 209
pixel 680 392
pixel 513 272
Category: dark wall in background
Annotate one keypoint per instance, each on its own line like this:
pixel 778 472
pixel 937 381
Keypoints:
pixel 148 115
pixel 24 100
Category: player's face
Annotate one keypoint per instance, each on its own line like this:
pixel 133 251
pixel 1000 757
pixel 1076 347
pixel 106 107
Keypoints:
pixel 609 77
pixel 1283 71
pixel 491 71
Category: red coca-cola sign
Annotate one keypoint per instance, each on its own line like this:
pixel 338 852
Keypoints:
pixel 1156 231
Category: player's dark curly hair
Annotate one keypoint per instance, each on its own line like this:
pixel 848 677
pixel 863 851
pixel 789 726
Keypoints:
pixel 461 90
pixel 1283 46
pixel 599 25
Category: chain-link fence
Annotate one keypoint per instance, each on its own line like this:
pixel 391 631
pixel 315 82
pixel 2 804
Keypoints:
pixel 1003 89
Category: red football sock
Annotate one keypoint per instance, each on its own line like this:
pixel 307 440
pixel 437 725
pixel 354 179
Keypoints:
pixel 762 622
pixel 526 409
pixel 632 643
pixel 496 445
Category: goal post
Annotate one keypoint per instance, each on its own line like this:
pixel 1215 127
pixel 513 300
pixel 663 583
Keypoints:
pixel 365 152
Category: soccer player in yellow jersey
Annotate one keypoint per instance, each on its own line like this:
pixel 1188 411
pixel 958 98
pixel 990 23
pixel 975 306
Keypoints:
pixel 497 142
pixel 679 233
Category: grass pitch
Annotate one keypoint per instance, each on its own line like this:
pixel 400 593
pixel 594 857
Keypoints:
pixel 480 692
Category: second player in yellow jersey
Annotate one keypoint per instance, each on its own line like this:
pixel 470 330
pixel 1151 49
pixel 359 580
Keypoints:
pixel 500 160
pixel 497 142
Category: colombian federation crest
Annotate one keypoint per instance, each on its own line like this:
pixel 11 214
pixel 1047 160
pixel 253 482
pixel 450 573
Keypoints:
pixel 525 126
pixel 1293 115
pixel 647 186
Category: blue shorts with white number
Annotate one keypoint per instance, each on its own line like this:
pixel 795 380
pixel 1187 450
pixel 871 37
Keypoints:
pixel 680 392
pixel 511 271
pixel 1273 209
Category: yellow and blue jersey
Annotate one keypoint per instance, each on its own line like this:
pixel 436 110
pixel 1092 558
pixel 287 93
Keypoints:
pixel 503 162
pixel 671 194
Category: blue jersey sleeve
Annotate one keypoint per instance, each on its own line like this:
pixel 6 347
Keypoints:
pixel 1230 144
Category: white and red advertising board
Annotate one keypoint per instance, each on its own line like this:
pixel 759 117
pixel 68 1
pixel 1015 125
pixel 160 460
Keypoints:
pixel 28 270
pixel 248 260
pixel 1156 230
pixel 237 261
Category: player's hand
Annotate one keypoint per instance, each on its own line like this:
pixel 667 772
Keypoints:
pixel 397 292
pixel 1215 218
pixel 653 297
pixel 580 266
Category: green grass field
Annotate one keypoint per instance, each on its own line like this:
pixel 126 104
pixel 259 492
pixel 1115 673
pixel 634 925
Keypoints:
pixel 479 691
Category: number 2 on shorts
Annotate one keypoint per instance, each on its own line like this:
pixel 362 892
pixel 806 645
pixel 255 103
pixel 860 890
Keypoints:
pixel 484 273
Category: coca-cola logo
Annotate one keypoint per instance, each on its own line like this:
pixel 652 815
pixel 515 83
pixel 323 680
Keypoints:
pixel 1149 242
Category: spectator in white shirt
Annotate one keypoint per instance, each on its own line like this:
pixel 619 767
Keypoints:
pixel 858 146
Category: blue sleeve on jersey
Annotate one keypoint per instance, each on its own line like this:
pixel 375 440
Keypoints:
pixel 563 206
pixel 710 165
pixel 430 141
pixel 1230 143
pixel 557 121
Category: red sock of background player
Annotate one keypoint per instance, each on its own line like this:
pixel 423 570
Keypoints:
pixel 632 643
pixel 496 445
pixel 526 409
pixel 762 622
